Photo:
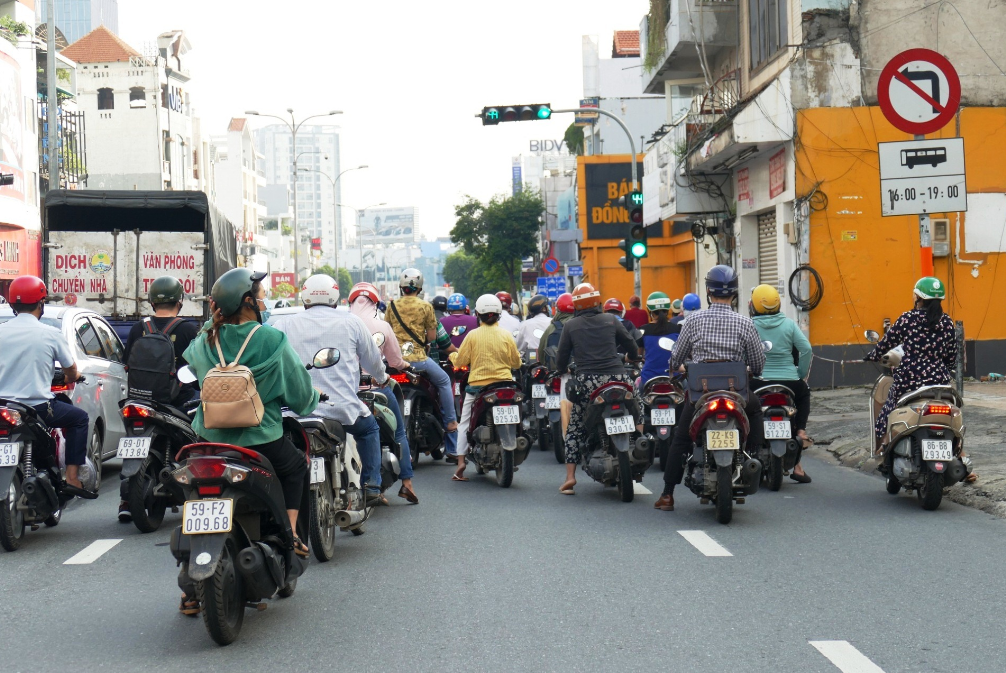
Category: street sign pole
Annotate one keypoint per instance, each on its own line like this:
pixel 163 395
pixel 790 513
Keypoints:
pixel 925 238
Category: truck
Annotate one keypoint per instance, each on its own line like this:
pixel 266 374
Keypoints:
pixel 102 249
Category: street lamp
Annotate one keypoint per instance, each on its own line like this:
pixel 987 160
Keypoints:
pixel 335 205
pixel 359 225
pixel 294 126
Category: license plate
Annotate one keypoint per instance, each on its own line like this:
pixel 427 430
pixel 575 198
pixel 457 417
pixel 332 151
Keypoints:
pixel 317 470
pixel 133 447
pixel 538 390
pixel 10 452
pixel 408 408
pixel 937 449
pixel 619 425
pixel 723 440
pixel 457 388
pixel 661 417
pixel 508 415
pixel 207 516
pixel 778 430
pixel 553 402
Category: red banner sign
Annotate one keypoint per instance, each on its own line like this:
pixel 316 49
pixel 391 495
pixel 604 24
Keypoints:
pixel 777 173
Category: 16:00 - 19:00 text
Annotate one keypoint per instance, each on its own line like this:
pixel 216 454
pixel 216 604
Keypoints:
pixel 930 193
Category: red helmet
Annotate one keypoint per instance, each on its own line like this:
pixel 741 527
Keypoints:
pixel 635 301
pixel 26 290
pixel 564 303
pixel 614 305
pixel 505 299
pixel 585 296
pixel 364 290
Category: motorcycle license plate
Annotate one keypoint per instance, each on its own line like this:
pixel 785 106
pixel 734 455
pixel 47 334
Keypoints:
pixel 619 425
pixel 778 430
pixel 407 411
pixel 457 388
pixel 553 402
pixel 133 447
pixel 723 440
pixel 508 415
pixel 200 517
pixel 10 452
pixel 661 417
pixel 317 470
pixel 538 391
pixel 937 449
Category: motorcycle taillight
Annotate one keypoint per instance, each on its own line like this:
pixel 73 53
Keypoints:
pixel 207 468
pixel 556 385
pixel 722 404
pixel 662 388
pixel 774 400
pixel 505 394
pixel 136 411
pixel 401 378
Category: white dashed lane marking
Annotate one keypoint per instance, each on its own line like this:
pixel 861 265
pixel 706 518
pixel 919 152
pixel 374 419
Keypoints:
pixel 705 544
pixel 845 657
pixel 91 552
pixel 639 489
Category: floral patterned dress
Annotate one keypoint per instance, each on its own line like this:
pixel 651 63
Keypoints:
pixel 930 357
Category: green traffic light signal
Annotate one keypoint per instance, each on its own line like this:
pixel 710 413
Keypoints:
pixel 638 249
pixel 513 113
pixel 636 198
pixel 544 112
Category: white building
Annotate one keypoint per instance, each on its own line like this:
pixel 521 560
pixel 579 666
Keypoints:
pixel 238 178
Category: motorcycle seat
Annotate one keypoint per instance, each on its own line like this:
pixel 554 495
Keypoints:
pixel 176 412
pixel 943 393
pixel 329 426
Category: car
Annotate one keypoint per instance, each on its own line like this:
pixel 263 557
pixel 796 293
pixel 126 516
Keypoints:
pixel 100 359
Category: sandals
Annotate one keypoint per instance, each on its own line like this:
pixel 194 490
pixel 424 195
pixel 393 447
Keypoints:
pixel 408 494
pixel 567 488
pixel 459 475
pixel 189 607
pixel 299 548
pixel 70 489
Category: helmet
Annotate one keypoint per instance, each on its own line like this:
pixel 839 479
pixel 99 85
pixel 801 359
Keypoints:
pixel 614 306
pixel 229 291
pixel 412 280
pixel 635 301
pixel 320 290
pixel 722 282
pixel 658 301
pixel 505 299
pixel 439 303
pixel 165 290
pixel 585 296
pixel 691 302
pixel 564 303
pixel 765 299
pixel 926 288
pixel 488 303
pixel 538 304
pixel 26 290
pixel 676 307
pixel 364 290
pixel 457 302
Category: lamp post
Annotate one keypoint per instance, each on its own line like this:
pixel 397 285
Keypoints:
pixel 294 126
pixel 335 205
pixel 359 225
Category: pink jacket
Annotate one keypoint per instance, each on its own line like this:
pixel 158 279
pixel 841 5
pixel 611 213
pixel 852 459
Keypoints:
pixel 392 352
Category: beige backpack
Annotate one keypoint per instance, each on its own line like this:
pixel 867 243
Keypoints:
pixel 229 396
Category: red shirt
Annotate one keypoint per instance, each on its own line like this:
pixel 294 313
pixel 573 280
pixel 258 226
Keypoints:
pixel 637 317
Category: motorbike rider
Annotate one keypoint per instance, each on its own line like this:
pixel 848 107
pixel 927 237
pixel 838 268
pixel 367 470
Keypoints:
pixel 508 320
pixel 27 364
pixel 616 308
pixel 491 354
pixel 537 320
pixel 656 359
pixel 548 350
pixel 593 338
pixel 690 303
pixel 320 326
pixel 458 322
pixel 780 369
pixel 717 334
pixel 636 315
pixel 439 304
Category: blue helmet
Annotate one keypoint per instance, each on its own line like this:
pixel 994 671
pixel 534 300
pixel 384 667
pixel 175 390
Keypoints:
pixel 457 302
pixel 722 282
pixel 691 302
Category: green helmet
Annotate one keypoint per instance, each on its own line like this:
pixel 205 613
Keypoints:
pixel 229 291
pixel 658 301
pixel 676 307
pixel 165 290
pixel 930 288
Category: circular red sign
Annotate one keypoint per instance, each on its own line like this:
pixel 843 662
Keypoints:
pixel 946 110
pixel 70 299
pixel 550 265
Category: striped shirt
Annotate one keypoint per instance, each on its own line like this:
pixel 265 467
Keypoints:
pixel 491 352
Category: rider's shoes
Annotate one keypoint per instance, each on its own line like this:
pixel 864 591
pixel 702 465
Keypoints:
pixel 125 516
pixel 665 503
pixel 800 478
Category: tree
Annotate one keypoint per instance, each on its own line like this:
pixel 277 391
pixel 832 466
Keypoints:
pixel 342 277
pixel 470 278
pixel 574 140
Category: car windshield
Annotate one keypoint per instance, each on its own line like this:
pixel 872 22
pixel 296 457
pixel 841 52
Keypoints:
pixel 51 322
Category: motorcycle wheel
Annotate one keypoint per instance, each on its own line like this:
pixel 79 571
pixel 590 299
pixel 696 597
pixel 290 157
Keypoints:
pixel 558 444
pixel 288 590
pixel 413 453
pixel 504 473
pixel 543 436
pixel 323 522
pixel 931 492
pixel 663 448
pixel 893 485
pixel 11 520
pixel 147 510
pixel 724 494
pixel 625 477
pixel 775 473
pixel 222 596
pixel 436 454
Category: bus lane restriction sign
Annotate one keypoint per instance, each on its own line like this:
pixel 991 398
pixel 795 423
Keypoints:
pixel 919 91
pixel 920 177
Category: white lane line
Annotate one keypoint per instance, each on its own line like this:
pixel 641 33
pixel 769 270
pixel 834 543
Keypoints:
pixel 91 552
pixel 845 657
pixel 705 544
pixel 639 489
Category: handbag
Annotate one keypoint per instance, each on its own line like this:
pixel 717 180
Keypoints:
pixel 230 398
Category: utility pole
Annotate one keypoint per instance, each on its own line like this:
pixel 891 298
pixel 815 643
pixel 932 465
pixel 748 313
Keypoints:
pixel 52 97
pixel 335 207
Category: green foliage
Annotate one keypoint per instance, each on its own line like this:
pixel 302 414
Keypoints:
pixel 343 277
pixel 11 30
pixel 656 33
pixel 471 278
pixel 574 140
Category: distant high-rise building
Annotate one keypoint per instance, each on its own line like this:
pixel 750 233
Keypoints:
pixel 77 18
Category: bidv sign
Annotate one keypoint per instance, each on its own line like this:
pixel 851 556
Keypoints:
pixel 547 145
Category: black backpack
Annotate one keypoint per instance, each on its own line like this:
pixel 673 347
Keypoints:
pixel 152 369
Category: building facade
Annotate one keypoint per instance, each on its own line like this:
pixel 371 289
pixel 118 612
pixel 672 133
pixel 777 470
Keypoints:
pixel 238 177
pixel 77 18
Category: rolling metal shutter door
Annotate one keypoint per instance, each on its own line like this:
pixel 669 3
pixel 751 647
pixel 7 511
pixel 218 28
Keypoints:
pixel 768 250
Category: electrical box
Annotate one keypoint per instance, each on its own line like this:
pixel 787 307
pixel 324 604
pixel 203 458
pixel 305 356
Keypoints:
pixel 940 230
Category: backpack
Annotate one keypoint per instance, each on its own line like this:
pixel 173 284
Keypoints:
pixel 552 347
pixel 152 365
pixel 229 396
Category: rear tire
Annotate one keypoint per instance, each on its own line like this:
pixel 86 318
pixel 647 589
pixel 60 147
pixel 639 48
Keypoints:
pixel 11 520
pixel 223 599
pixel 323 521
pixel 625 477
pixel 893 485
pixel 147 511
pixel 94 453
pixel 931 492
pixel 504 473
pixel 558 444
pixel 775 473
pixel 543 436
pixel 724 494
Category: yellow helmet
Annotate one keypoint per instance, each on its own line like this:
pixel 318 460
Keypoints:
pixel 765 299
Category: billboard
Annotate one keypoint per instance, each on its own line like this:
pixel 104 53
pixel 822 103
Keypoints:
pixel 389 225
pixel 601 187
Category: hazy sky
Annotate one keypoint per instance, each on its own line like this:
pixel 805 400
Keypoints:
pixel 409 76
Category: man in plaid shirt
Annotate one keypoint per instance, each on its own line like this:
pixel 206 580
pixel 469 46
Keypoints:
pixel 716 334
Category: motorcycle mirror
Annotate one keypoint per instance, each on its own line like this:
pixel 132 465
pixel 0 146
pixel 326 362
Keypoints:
pixel 872 336
pixel 186 375
pixel 766 346
pixel 666 343
pixel 408 348
pixel 538 333
pixel 325 358
pixel 378 339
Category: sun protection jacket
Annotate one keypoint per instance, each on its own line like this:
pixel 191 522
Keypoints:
pixel 786 337
pixel 593 339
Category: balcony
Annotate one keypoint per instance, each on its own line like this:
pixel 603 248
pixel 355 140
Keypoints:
pixel 672 38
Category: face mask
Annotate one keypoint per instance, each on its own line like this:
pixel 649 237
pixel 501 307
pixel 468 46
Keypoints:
pixel 264 316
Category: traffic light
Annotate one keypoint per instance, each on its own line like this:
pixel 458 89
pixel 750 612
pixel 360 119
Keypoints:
pixel 636 207
pixel 515 113
pixel 6 179
pixel 638 246
pixel 628 262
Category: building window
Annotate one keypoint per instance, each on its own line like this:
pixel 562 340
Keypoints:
pixel 106 99
pixel 768 30
pixel 137 97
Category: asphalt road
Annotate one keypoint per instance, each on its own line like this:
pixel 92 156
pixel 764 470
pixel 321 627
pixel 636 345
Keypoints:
pixel 478 578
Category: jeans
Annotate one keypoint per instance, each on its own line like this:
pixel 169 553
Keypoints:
pixel 290 464
pixel 368 444
pixel 442 381
pixel 401 436
pixel 73 421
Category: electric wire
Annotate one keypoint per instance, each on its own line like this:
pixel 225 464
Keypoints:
pixel 812 301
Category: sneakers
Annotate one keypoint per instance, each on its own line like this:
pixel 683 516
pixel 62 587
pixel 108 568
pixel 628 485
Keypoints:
pixel 125 516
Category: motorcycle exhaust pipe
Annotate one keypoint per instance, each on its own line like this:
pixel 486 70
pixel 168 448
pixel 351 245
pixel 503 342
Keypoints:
pixel 751 473
pixel 258 580
pixel 642 446
pixel 40 494
pixel 522 443
pixel 349 518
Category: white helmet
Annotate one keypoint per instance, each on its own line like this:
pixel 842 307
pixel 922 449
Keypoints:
pixel 412 279
pixel 488 303
pixel 320 290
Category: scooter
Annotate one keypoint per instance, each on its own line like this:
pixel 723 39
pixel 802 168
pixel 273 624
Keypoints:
pixel 663 397
pixel 553 407
pixel 781 451
pixel 496 431
pixel 391 450
pixel 423 417
pixel 535 396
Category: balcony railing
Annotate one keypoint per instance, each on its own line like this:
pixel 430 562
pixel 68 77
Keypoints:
pixel 712 106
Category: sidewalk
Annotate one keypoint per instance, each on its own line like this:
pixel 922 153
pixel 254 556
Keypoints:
pixel 840 424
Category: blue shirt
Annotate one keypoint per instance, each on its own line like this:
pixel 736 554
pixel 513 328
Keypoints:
pixel 657 361
pixel 27 359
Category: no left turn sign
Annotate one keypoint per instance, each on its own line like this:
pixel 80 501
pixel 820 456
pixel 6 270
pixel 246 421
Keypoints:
pixel 919 91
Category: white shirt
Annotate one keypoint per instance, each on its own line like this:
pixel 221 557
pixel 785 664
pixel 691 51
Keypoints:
pixel 526 340
pixel 509 322
pixel 29 351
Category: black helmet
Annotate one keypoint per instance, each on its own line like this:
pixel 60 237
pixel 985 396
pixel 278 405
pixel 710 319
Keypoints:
pixel 229 291
pixel 538 304
pixel 165 290
pixel 722 282
pixel 439 303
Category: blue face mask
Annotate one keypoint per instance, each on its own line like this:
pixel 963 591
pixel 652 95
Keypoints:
pixel 265 315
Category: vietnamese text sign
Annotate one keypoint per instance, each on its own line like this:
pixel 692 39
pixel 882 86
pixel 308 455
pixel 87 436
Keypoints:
pixel 922 176
pixel 777 173
pixel 605 184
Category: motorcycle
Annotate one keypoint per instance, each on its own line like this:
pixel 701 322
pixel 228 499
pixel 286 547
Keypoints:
pixel 925 436
pixel 662 397
pixel 30 475
pixel 553 407
pixel 235 545
pixel 535 396
pixel 496 431
pixel 424 420
pixel 781 451
pixel 391 450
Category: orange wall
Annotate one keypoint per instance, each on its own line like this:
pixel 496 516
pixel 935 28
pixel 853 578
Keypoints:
pixel 870 263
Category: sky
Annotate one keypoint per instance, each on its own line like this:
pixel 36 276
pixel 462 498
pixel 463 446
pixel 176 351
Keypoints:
pixel 409 76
